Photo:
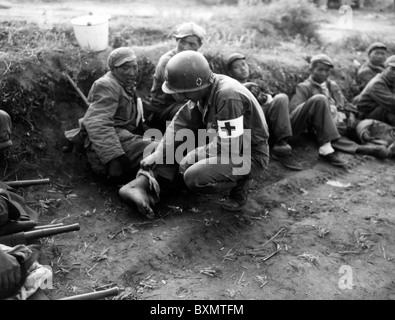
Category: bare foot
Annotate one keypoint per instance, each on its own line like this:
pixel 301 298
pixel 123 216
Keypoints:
pixel 137 192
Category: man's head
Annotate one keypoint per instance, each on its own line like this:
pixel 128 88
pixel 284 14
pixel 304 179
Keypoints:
pixel 188 75
pixel 377 52
pixel 123 65
pixel 320 67
pixel 237 67
pixel 189 36
pixel 389 71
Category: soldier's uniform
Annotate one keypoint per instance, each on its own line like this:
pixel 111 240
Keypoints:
pixel 230 111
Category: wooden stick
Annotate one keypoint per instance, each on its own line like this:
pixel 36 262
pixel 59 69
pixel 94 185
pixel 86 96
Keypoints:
pixel 94 295
pixel 77 89
pixel 282 229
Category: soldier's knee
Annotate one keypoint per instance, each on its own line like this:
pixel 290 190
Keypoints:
pixel 194 179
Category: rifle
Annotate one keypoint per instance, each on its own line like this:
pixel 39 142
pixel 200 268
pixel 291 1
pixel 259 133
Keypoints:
pixel 24 237
pixel 19 226
pixel 47 226
pixel 23 183
pixel 94 295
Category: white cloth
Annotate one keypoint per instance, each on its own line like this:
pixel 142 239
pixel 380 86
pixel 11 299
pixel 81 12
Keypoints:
pixel 326 149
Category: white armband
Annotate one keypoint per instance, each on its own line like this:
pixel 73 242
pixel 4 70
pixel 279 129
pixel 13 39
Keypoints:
pixel 231 128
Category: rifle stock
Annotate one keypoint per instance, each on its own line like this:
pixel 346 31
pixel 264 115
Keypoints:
pixel 24 183
pixel 47 232
pixel 47 226
pixel 94 295
pixel 24 237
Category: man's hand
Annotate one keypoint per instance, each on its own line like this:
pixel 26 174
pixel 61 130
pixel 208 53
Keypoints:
pixel 367 137
pixel 10 271
pixel 140 112
pixel 351 120
pixel 253 87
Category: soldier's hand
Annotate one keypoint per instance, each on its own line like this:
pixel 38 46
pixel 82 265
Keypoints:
pixel 10 271
pixel 148 161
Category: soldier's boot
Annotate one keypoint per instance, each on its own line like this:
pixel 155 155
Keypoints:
pixel 238 196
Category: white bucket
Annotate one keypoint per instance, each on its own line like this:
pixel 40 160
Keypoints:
pixel 91 32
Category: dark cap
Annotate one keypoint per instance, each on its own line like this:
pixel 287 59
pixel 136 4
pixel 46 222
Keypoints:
pixel 233 57
pixel 323 58
pixel 376 45
pixel 390 62
pixel 189 29
pixel 119 56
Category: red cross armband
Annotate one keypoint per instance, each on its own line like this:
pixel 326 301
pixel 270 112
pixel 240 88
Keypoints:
pixel 232 128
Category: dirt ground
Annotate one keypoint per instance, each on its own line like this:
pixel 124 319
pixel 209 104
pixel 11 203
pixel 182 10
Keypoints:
pixel 321 233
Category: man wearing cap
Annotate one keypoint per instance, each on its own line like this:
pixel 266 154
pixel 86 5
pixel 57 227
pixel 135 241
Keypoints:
pixel 377 53
pixel 230 126
pixel 113 122
pixel 276 110
pixel 334 118
pixel 161 107
pixel 377 99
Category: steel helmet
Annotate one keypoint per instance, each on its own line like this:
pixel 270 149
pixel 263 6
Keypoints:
pixel 185 72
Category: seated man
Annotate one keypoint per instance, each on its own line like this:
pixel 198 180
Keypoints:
pixel 377 53
pixel 323 97
pixel 276 111
pixel 377 132
pixel 377 100
pixel 112 124
pixel 228 115
pixel 161 107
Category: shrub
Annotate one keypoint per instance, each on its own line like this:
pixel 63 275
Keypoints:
pixel 286 19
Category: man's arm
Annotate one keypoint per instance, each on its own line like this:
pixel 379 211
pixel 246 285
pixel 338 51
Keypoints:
pixel 188 118
pixel 230 133
pixel 380 93
pixel 99 122
pixel 363 78
pixel 300 96
pixel 157 96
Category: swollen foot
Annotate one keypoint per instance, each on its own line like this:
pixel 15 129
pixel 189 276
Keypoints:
pixel 138 192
